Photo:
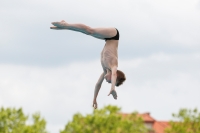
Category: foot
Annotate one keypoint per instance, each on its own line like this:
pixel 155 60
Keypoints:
pixel 60 24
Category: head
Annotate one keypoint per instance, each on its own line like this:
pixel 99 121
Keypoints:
pixel 120 78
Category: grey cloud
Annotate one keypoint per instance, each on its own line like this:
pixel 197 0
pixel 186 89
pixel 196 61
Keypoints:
pixel 148 28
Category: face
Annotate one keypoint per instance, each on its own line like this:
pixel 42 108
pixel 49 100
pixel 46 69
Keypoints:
pixel 108 78
pixel 116 83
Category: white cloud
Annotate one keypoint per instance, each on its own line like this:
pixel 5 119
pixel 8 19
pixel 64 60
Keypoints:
pixel 160 84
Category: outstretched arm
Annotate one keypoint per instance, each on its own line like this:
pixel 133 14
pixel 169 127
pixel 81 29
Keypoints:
pixel 97 88
pixel 113 81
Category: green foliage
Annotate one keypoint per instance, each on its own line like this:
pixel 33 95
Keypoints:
pixel 105 120
pixel 14 121
pixel 188 121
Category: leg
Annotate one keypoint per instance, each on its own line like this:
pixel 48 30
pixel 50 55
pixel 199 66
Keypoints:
pixel 99 33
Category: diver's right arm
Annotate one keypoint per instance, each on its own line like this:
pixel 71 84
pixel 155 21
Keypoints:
pixel 97 88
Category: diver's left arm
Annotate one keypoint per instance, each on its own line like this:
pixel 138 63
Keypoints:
pixel 113 82
pixel 97 88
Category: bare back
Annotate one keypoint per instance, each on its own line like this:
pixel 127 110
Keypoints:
pixel 109 55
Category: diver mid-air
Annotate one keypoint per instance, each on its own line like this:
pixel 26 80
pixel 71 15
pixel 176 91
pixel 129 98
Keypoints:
pixel 109 54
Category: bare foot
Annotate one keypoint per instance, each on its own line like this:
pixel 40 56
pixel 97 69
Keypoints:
pixel 61 24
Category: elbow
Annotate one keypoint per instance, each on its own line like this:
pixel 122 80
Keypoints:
pixel 90 31
pixel 114 74
pixel 114 71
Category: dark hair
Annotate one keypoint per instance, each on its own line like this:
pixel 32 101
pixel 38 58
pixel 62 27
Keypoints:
pixel 120 78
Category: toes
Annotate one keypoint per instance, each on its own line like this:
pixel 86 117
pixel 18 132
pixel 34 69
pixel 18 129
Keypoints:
pixel 53 27
pixel 56 23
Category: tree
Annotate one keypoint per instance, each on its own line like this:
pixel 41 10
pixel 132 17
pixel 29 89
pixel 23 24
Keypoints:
pixel 188 121
pixel 105 120
pixel 14 121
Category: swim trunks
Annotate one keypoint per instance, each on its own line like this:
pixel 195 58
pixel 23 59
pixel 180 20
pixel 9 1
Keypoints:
pixel 113 38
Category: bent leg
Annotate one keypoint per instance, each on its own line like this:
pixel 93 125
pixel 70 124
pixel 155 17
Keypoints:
pixel 100 33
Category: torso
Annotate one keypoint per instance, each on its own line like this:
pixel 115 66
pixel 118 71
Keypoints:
pixel 109 55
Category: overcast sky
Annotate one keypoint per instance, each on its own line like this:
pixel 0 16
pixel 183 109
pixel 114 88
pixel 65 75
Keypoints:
pixel 54 72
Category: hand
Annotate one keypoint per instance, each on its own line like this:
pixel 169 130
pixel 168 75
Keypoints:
pixel 114 94
pixel 94 104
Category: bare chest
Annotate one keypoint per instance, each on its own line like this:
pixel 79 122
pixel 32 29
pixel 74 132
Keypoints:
pixel 109 57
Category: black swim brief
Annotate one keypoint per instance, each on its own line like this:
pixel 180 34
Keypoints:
pixel 116 37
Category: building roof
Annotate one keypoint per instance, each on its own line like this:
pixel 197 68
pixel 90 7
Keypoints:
pixel 146 117
pixel 160 126
pixel 157 126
